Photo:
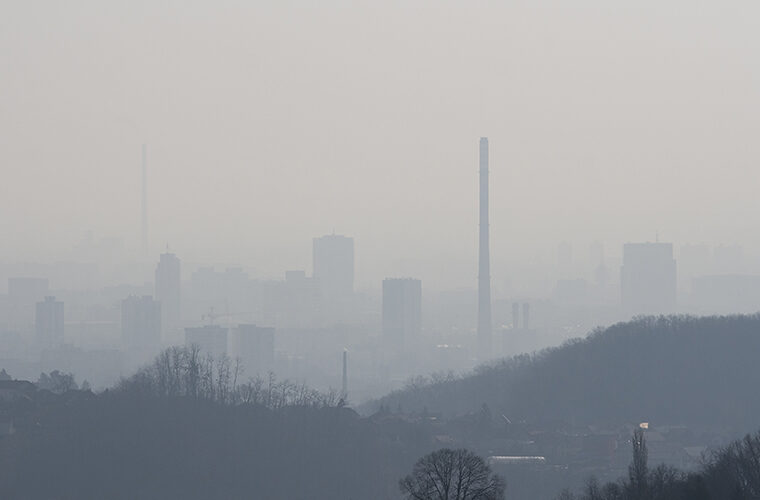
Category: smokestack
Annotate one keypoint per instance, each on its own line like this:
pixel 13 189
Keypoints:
pixel 526 316
pixel 145 201
pixel 344 393
pixel 515 315
pixel 484 260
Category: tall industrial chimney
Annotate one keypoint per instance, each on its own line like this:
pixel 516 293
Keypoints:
pixel 484 260
pixel 144 201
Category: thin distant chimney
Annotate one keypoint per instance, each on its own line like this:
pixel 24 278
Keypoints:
pixel 484 260
pixel 145 201
pixel 344 393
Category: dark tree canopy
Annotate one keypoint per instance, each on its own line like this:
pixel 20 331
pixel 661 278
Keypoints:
pixel 186 427
pixel 448 474
pixel 732 473
pixel 57 382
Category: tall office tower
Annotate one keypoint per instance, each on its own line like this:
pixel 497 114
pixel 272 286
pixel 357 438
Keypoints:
pixel 48 323
pixel 23 295
pixel 144 219
pixel 211 339
pixel 140 328
pixel 333 260
pixel 648 278
pixel 255 348
pixel 484 260
pixel 402 311
pixel 168 284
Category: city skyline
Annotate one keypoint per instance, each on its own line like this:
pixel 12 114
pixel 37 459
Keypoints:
pixel 374 250
pixel 578 167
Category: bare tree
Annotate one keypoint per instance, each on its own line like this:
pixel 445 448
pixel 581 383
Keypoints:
pixel 638 470
pixel 223 379
pixel 449 474
pixel 187 372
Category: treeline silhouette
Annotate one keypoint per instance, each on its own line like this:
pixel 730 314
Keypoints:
pixel 732 473
pixel 185 427
pixel 661 369
pixel 187 372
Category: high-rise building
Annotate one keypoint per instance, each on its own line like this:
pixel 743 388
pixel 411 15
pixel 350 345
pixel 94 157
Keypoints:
pixel 211 339
pixel 648 278
pixel 140 327
pixel 255 348
pixel 484 260
pixel 48 323
pixel 333 260
pixel 402 311
pixel 168 283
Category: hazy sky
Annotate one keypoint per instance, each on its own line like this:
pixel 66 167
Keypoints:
pixel 268 123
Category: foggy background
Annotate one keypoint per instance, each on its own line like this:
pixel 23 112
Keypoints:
pixel 270 123
pixel 296 315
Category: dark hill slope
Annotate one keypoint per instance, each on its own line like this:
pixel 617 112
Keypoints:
pixel 667 370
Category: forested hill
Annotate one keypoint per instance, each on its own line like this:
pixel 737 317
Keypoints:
pixel 672 370
pixel 184 428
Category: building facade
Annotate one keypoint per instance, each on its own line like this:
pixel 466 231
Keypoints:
pixel 48 323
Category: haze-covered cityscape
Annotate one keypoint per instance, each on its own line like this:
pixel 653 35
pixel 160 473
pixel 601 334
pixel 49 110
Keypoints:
pixel 379 250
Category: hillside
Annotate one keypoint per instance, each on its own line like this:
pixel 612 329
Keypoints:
pixel 182 429
pixel 675 370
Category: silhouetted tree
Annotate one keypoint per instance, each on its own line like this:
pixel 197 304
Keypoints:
pixel 57 382
pixel 186 372
pixel 637 471
pixel 661 483
pixel 734 471
pixel 449 474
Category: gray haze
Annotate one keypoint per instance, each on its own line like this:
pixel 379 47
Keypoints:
pixel 270 123
pixel 341 249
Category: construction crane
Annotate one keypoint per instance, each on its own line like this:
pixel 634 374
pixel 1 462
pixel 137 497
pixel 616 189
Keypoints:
pixel 211 316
